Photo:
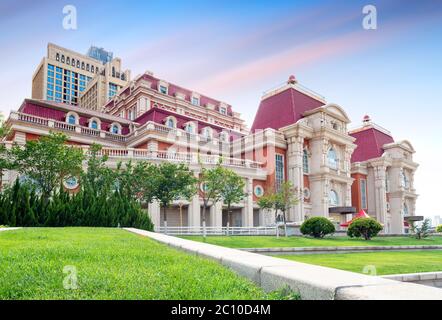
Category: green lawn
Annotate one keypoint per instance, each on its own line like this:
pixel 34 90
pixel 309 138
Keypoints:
pixel 298 241
pixel 392 262
pixel 111 264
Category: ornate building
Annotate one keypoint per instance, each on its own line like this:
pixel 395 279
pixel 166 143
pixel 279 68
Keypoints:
pixel 296 136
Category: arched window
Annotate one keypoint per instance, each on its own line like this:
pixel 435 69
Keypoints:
pixel 78 63
pixel 224 136
pixel 406 212
pixel 115 129
pixel 73 62
pixel 82 65
pixel 189 128
pixel 92 69
pixel 332 158
pixel 94 124
pixel 57 57
pixel 68 60
pixel 71 118
pixel 87 67
pixel 305 166
pixel 333 198
pixel 170 122
pixel 113 72
pixel 62 58
pixel 207 132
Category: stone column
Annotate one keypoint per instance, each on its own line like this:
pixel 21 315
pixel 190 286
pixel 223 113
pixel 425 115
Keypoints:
pixel 216 215
pixel 194 212
pixel 295 150
pixel 154 213
pixel 380 194
pixel 247 210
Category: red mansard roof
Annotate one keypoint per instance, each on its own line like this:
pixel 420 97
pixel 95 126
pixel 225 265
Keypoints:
pixel 370 143
pixel 283 109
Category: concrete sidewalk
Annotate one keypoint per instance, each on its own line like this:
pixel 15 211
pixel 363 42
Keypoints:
pixel 310 281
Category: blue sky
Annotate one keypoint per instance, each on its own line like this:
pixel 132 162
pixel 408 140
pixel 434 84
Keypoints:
pixel 235 50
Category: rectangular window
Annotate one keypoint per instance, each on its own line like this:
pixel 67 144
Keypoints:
pixel 279 170
pixel 58 76
pixel 223 110
pixel 363 187
pixel 195 101
pixel 50 80
pixel 50 93
pixel 50 67
pixel 50 73
pixel 163 89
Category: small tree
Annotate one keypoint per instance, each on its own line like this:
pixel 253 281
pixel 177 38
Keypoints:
pixel 48 161
pixel 364 227
pixel 317 227
pixel 6 157
pixel 232 191
pixel 212 184
pixel 172 181
pixel 439 228
pixel 282 200
pixel 421 231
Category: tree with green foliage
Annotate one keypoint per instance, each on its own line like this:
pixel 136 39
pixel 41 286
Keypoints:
pixel 439 228
pixel 169 182
pixel 6 158
pixel 364 227
pixel 421 230
pixel 212 183
pixel 232 191
pixel 280 201
pixel 48 161
pixel 317 227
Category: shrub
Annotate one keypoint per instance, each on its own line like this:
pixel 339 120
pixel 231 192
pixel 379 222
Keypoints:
pixel 439 228
pixel 422 230
pixel 317 227
pixel 364 227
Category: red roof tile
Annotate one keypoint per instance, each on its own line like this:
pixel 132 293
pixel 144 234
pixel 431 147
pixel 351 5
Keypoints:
pixel 282 109
pixel 369 143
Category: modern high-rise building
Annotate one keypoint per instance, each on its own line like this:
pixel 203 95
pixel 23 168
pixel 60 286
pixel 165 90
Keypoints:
pixel 66 76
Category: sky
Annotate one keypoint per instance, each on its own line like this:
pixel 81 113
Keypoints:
pixel 236 50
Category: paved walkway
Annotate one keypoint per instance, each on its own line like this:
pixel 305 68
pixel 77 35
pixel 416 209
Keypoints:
pixel 344 249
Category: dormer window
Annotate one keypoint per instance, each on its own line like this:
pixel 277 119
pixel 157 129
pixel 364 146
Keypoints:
pixel 170 122
pixel 189 128
pixel 223 110
pixel 207 133
pixel 163 89
pixel 195 101
pixel 72 118
pixel 115 128
pixel 94 123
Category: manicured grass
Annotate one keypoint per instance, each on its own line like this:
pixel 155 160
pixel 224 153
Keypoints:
pixel 391 262
pixel 298 241
pixel 111 264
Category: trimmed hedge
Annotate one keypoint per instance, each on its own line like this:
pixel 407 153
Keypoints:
pixel 22 206
pixel 317 227
pixel 364 227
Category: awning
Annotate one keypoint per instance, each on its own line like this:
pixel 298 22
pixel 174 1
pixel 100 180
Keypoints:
pixel 361 214
pixel 342 210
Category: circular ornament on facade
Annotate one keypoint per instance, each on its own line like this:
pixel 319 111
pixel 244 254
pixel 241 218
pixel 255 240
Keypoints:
pixel 306 193
pixel 203 187
pixel 258 191
pixel 71 183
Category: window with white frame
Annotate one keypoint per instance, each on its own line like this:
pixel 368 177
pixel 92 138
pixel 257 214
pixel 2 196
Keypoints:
pixel 332 159
pixel 94 123
pixel 195 101
pixel 405 211
pixel 189 128
pixel 72 118
pixel 207 133
pixel 279 170
pixel 170 122
pixel 115 128
pixel 258 191
pixel 363 188
pixel 223 110
pixel 404 179
pixel 163 89
pixel 333 198
pixel 224 136
pixel 305 164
